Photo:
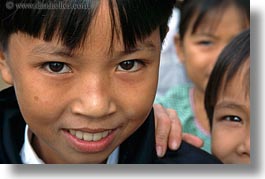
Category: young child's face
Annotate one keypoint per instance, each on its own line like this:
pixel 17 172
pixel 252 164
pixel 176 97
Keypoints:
pixel 231 121
pixel 82 107
pixel 199 51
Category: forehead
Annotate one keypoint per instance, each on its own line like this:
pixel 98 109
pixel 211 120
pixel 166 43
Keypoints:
pixel 237 88
pixel 96 46
pixel 102 37
pixel 217 20
pixel 102 32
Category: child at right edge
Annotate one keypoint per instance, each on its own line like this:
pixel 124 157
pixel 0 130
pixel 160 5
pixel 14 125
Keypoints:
pixel 227 102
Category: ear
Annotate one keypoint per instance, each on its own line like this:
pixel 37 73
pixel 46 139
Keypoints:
pixel 4 69
pixel 179 48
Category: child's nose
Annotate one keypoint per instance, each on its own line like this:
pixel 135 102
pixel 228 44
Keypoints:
pixel 95 99
pixel 244 147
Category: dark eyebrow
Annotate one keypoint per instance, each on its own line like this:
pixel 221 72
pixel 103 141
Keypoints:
pixel 52 50
pixel 231 105
pixel 148 45
pixel 204 34
pixel 66 53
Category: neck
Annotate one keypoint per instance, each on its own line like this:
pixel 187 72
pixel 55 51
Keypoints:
pixel 199 110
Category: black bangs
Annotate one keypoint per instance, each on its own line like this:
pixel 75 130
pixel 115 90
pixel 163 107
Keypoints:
pixel 70 25
pixel 138 19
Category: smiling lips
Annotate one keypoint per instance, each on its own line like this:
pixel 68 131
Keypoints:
pixel 90 142
pixel 89 136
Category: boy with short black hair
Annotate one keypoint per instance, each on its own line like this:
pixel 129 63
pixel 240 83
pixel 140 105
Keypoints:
pixel 84 82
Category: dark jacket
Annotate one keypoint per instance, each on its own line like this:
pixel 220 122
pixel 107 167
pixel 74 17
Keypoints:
pixel 139 148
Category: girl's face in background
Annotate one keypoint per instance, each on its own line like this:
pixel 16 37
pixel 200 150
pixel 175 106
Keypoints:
pixel 198 51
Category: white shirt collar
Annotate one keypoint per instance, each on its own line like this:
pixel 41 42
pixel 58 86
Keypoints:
pixel 28 155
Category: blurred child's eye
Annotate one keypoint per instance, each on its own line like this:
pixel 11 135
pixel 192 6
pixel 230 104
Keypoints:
pixel 232 118
pixel 130 65
pixel 57 67
pixel 205 42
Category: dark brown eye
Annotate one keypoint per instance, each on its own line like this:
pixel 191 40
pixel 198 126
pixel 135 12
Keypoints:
pixel 127 65
pixel 130 65
pixel 232 118
pixel 57 67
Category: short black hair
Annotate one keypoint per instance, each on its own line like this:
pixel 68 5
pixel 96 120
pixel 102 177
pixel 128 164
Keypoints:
pixel 138 18
pixel 200 8
pixel 234 55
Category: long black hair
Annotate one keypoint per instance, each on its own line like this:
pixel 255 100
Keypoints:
pixel 234 55
pixel 137 18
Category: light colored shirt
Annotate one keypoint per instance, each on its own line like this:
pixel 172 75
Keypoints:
pixel 180 98
pixel 29 156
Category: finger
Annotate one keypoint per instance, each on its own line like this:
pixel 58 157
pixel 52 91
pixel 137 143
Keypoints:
pixel 162 129
pixel 156 110
pixel 175 134
pixel 193 140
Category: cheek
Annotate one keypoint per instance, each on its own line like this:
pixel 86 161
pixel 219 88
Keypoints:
pixel 217 145
pixel 33 93
pixel 38 102
pixel 138 93
pixel 222 143
pixel 198 59
pixel 137 100
pixel 194 64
